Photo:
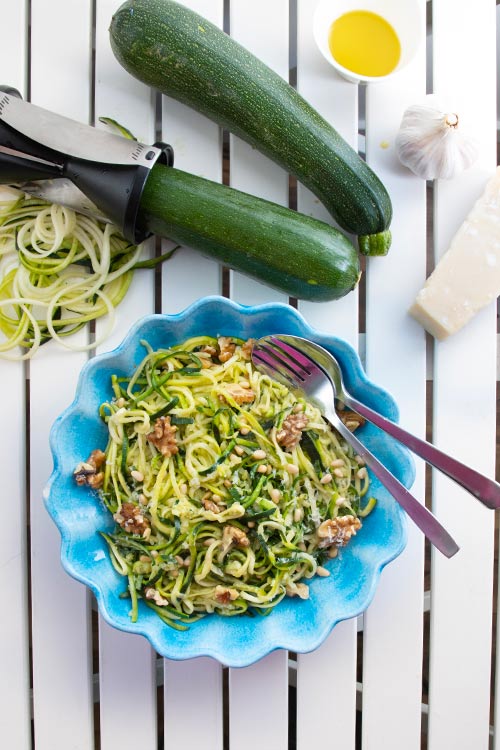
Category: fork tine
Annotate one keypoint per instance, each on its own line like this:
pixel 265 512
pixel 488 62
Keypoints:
pixel 272 345
pixel 300 365
pixel 297 356
pixel 269 366
pixel 275 360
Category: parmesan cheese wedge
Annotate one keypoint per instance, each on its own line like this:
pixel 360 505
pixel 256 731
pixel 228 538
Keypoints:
pixel 467 278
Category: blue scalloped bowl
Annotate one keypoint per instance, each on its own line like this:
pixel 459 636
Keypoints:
pixel 296 625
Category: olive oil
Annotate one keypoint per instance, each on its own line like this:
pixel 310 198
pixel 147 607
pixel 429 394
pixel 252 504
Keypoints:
pixel 364 43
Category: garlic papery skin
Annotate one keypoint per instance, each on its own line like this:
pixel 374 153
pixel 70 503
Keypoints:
pixel 431 144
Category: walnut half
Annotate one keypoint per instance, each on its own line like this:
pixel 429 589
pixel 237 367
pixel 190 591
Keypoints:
pixel 163 436
pixel 232 536
pixel 246 349
pixel 89 471
pixel 224 595
pixel 131 518
pixel 337 531
pixel 290 433
pixel 226 348
pixel 239 393
pixel 351 419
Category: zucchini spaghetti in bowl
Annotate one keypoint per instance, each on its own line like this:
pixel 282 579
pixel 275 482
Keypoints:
pixel 229 492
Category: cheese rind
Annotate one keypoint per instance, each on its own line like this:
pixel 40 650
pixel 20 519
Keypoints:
pixel 467 278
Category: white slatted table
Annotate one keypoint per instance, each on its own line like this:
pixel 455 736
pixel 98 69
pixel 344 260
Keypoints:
pixel 67 680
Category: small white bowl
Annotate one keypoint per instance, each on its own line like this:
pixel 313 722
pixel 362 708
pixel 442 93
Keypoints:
pixel 403 15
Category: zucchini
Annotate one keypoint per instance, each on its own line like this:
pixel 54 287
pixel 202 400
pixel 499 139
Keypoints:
pixel 297 254
pixel 173 49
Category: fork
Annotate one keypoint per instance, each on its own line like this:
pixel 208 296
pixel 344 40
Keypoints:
pixel 486 490
pixel 284 363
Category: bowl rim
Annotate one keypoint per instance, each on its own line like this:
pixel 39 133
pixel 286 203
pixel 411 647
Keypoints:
pixel 255 651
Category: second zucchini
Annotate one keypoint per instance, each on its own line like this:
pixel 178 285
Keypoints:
pixel 301 256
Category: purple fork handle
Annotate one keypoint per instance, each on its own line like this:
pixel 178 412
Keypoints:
pixel 487 491
pixel 422 517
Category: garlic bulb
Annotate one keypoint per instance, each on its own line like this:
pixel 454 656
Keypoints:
pixel 430 143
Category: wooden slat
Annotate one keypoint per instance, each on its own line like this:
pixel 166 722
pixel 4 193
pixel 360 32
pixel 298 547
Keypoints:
pixel 194 683
pixel 395 358
pixel 15 706
pixel 259 690
pixel 253 173
pixel 464 396
pixel 127 663
pixel 198 149
pixel 62 684
pixel 250 170
pixel 127 690
pixel 188 276
pixel 326 679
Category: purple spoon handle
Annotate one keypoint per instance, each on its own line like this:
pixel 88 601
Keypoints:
pixel 422 517
pixel 487 491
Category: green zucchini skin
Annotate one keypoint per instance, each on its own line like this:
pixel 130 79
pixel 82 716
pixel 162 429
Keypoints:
pixel 178 52
pixel 296 254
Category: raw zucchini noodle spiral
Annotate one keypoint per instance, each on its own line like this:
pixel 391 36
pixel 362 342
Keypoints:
pixel 58 271
pixel 229 492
